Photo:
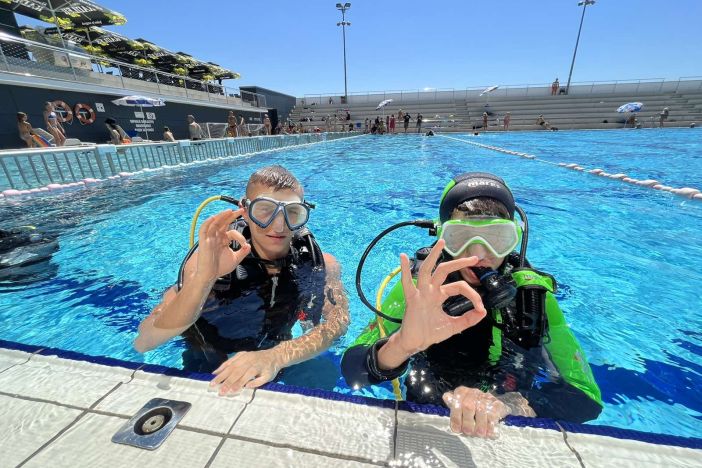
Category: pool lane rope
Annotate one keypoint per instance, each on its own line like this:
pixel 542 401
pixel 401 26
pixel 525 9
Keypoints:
pixel 685 192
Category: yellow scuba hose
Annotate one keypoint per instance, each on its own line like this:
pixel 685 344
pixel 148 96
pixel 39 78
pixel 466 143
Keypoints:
pixel 197 214
pixel 383 334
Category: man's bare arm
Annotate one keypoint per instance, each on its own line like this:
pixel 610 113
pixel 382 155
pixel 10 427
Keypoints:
pixel 214 258
pixel 336 320
pixel 176 313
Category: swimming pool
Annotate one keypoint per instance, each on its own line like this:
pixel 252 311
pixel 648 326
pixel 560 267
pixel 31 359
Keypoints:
pixel 625 257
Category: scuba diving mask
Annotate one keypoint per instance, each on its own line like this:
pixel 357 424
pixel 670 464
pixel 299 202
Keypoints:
pixel 499 236
pixel 263 210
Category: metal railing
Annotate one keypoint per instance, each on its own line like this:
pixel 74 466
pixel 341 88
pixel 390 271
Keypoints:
pixel 29 58
pixel 648 85
pixel 32 169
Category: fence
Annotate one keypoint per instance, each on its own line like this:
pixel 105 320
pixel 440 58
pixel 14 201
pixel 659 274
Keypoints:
pixel 29 58
pixel 31 169
pixel 634 86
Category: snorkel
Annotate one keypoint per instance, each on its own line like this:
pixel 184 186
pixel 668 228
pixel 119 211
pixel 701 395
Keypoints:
pixel 499 290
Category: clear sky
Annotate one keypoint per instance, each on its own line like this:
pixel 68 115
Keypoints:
pixel 295 46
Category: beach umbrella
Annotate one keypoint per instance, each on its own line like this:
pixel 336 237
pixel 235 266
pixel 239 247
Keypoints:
pixel 140 102
pixel 630 107
pixel 489 90
pixel 383 103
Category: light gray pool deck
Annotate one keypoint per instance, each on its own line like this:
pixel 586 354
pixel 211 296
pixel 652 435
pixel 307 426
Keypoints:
pixel 57 412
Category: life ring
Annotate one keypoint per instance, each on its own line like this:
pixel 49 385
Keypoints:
pixel 84 113
pixel 65 113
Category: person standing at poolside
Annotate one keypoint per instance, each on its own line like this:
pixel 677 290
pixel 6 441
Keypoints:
pixel 267 124
pixel 53 125
pixel 194 129
pixel 506 120
pixel 485 121
pixel 241 128
pixel 419 123
pixel 392 123
pixel 255 273
pixel 407 119
pixel 663 116
pixel 231 125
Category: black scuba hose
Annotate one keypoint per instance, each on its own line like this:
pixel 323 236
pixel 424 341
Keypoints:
pixel 425 223
pixel 181 270
pixel 525 236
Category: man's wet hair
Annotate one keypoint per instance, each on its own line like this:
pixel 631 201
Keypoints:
pixel 484 206
pixel 276 177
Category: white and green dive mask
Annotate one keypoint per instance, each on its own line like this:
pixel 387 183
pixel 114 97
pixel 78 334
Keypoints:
pixel 499 236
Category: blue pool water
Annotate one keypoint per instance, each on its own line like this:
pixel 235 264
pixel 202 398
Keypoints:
pixel 626 258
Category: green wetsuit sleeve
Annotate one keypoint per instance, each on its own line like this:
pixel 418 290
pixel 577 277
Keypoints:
pixel 575 396
pixel 566 353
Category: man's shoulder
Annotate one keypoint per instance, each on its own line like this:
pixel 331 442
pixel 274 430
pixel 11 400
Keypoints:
pixel 330 261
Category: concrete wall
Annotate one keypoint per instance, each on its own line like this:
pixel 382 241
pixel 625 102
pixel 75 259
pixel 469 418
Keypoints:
pixel 283 103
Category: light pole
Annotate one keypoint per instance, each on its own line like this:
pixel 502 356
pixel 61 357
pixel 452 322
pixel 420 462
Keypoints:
pixel 584 4
pixel 343 25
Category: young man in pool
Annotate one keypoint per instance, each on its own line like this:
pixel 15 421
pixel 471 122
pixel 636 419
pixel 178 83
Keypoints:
pixel 482 332
pixel 257 271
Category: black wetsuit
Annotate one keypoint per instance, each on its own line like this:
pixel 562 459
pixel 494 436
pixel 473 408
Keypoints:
pixel 465 359
pixel 251 309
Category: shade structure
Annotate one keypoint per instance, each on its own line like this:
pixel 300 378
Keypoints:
pixel 66 13
pixel 105 43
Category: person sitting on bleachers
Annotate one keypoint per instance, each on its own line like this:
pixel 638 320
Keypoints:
pixel 541 121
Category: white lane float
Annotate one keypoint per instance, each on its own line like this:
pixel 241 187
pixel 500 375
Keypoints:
pixel 687 192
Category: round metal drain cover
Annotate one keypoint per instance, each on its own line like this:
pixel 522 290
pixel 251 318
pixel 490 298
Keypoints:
pixel 153 423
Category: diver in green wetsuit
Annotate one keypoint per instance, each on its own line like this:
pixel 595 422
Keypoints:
pixel 482 332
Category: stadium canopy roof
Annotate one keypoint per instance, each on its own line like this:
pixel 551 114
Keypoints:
pixel 79 22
